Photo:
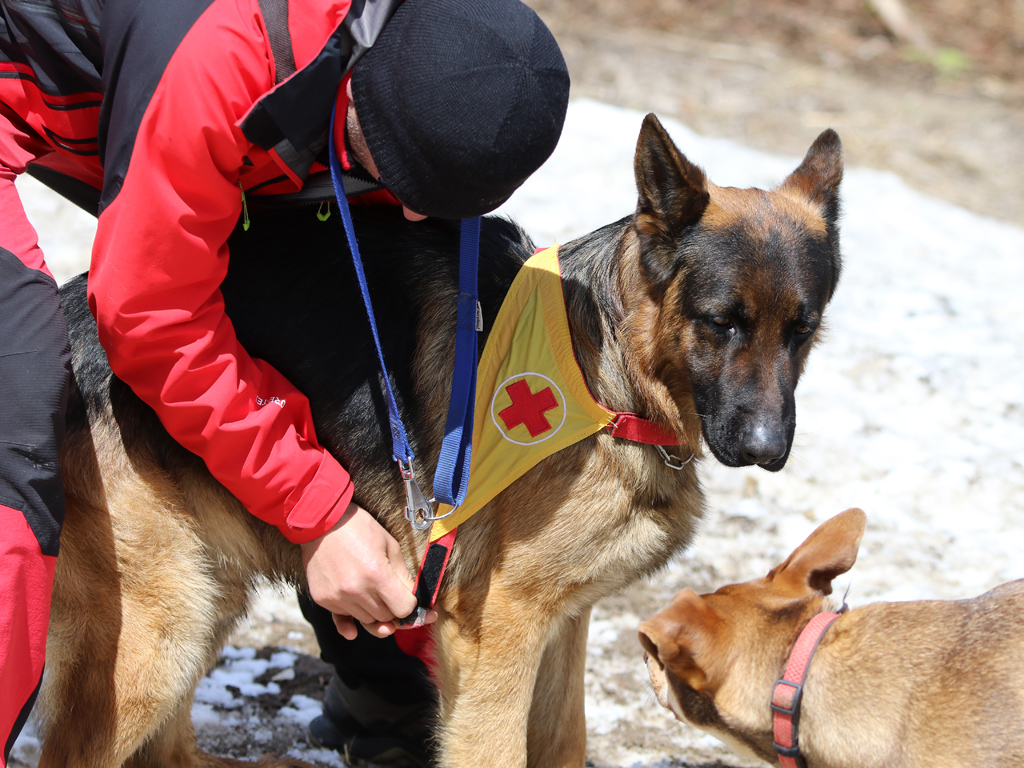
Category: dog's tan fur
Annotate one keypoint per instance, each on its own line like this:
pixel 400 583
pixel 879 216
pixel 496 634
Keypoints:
pixel 926 684
pixel 159 562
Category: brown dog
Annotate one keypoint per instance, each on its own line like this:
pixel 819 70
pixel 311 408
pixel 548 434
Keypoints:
pixel 697 312
pixel 926 684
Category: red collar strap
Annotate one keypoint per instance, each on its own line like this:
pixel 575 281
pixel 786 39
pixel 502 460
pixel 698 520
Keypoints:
pixel 789 691
pixel 629 426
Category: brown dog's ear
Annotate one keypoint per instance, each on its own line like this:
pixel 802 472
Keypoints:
pixel 676 636
pixel 819 174
pixel 827 553
pixel 673 194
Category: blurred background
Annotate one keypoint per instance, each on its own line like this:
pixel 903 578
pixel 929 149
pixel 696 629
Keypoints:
pixel 930 89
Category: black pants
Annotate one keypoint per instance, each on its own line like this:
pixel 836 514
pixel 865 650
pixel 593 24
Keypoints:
pixel 371 661
pixel 34 373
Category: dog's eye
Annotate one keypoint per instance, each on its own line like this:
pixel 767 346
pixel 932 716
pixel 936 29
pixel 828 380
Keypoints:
pixel 723 324
pixel 802 331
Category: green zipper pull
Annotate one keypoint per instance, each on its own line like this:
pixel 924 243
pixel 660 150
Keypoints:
pixel 324 211
pixel 245 210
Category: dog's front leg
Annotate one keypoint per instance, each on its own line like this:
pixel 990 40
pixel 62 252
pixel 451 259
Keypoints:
pixel 557 727
pixel 488 666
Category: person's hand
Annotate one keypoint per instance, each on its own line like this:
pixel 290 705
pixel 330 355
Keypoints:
pixel 356 571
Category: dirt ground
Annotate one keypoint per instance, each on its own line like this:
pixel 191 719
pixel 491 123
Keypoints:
pixel 938 101
pixel 946 115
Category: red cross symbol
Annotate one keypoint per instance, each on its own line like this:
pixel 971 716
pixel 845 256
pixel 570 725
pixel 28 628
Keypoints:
pixel 528 408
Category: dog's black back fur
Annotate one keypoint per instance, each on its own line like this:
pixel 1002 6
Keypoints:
pixel 307 317
pixel 292 295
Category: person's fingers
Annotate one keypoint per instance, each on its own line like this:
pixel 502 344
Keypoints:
pixel 391 596
pixel 380 628
pixel 381 599
pixel 397 561
pixel 396 594
pixel 357 570
pixel 368 611
pixel 374 609
pixel 345 625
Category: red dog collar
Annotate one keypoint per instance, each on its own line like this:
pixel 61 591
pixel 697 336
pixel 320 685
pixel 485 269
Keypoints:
pixel 630 426
pixel 789 691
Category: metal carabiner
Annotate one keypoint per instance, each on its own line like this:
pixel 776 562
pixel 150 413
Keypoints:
pixel 671 461
pixel 418 510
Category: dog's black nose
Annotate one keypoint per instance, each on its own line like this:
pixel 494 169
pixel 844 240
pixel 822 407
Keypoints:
pixel 764 445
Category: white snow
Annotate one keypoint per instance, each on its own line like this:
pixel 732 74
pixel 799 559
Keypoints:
pixel 912 409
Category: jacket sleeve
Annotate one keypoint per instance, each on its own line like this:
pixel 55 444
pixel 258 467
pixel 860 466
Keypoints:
pixel 18 147
pixel 158 261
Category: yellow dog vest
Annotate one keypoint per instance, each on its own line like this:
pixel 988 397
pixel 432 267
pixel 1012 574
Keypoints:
pixel 531 401
pixel 531 398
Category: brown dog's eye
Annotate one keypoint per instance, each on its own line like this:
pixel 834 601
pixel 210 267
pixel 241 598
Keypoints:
pixel 723 325
pixel 803 331
pixel 724 328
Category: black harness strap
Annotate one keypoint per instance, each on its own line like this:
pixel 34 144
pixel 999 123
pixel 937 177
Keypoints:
pixel 275 17
pixel 293 118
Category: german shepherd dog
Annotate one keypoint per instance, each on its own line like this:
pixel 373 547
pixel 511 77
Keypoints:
pixel 697 311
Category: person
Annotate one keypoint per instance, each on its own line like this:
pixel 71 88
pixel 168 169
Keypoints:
pixel 162 118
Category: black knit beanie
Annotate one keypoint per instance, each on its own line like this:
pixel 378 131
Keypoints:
pixel 459 102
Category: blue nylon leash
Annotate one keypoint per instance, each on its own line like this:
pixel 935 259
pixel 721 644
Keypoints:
pixel 452 477
pixel 451 480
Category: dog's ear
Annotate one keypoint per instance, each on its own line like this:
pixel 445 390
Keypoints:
pixel 827 553
pixel 673 193
pixel 676 636
pixel 819 174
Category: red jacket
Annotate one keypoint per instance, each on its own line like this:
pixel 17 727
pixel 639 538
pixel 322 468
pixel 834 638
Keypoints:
pixel 196 99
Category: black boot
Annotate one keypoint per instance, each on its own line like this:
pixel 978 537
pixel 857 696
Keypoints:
pixel 380 704
pixel 362 725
